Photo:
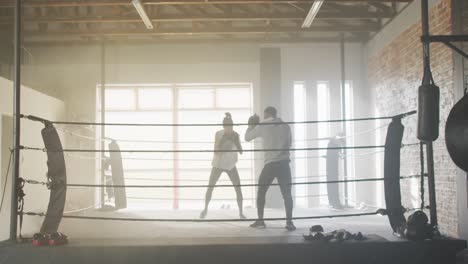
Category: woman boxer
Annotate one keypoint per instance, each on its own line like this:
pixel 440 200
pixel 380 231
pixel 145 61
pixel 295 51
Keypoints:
pixel 225 139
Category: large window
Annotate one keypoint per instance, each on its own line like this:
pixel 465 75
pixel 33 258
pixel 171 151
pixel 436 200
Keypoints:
pixel 302 135
pixel 323 131
pixel 350 141
pixel 300 132
pixel 177 103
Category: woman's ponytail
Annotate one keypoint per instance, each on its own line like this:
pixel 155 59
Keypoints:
pixel 227 121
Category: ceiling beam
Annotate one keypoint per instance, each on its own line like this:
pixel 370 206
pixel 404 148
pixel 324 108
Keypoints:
pixel 63 3
pixel 298 7
pixel 382 7
pixel 218 8
pixel 254 40
pixel 207 17
pixel 203 31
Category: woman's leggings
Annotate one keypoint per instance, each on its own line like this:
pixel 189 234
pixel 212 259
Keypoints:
pixel 235 179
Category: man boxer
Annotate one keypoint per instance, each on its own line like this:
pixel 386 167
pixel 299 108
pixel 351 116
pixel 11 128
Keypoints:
pixel 276 135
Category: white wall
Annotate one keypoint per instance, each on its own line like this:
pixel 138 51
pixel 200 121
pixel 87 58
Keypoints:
pixel 33 164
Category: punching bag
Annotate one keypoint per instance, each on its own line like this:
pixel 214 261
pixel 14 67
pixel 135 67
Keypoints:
pixel 332 169
pixel 57 177
pixel 395 210
pixel 428 112
pixel 118 178
pixel 456 133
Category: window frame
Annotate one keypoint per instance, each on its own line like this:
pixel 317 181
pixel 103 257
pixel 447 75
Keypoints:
pixel 175 109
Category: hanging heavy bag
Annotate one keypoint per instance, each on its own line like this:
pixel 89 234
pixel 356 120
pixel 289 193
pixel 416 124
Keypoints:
pixel 57 175
pixel 395 210
pixel 118 177
pixel 456 133
pixel 428 112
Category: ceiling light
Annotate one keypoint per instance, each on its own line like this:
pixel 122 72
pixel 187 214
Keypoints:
pixel 141 11
pixel 314 9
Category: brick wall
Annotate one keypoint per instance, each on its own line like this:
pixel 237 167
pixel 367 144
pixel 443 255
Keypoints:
pixel 465 44
pixel 395 73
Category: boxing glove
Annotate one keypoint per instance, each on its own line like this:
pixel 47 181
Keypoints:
pixel 253 121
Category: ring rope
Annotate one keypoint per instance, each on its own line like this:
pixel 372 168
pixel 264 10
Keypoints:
pixel 406 209
pixel 65 131
pixel 81 209
pixel 201 150
pixel 199 180
pixel 205 160
pixel 202 220
pixel 39 119
pixel 364 203
pixel 217 186
pixel 213 199
pixel 181 199
pixel 361 154
pixel 204 180
pixel 182 159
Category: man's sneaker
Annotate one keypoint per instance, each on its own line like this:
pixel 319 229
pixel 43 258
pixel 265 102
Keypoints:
pixel 258 224
pixel 290 226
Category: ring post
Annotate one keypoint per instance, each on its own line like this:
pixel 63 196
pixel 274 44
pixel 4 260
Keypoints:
pixel 16 124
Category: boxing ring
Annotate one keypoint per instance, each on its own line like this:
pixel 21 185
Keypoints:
pixel 179 236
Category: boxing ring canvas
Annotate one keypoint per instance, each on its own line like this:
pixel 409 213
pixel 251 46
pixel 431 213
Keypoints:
pixel 99 242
